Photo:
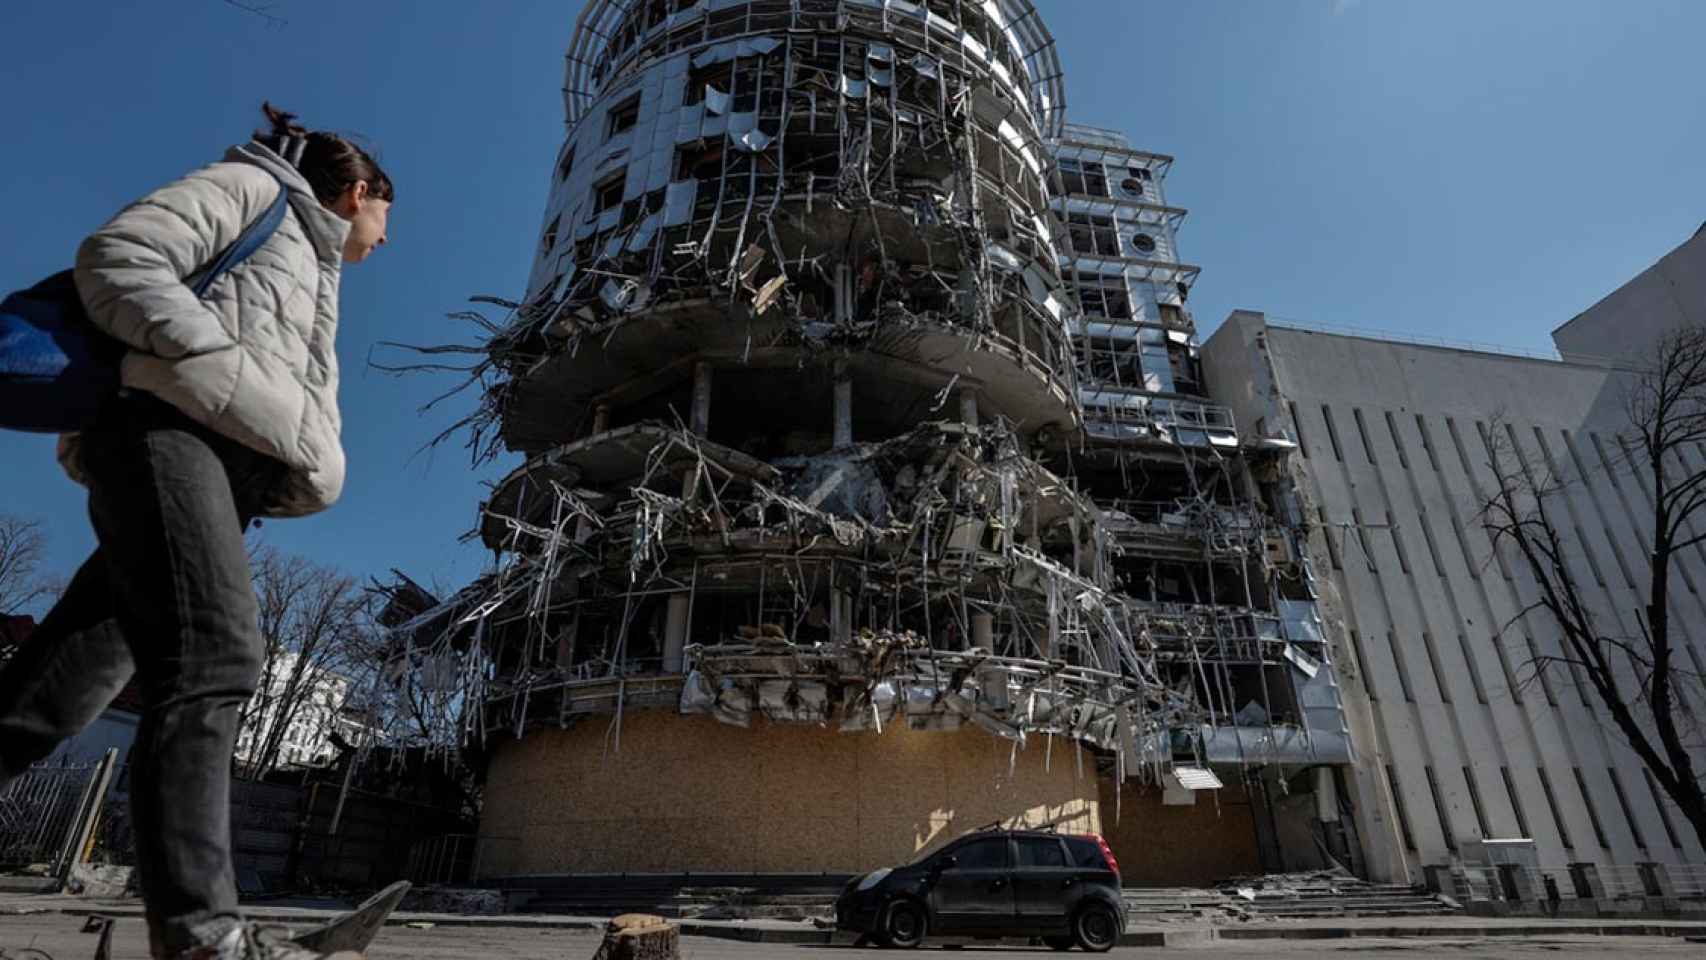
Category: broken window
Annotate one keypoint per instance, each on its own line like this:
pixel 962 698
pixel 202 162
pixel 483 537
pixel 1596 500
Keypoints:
pixel 623 116
pixel 745 85
pixel 1083 176
pixel 550 239
pixel 1112 361
pixel 1184 367
pixel 1071 175
pixel 699 161
pixel 1105 297
pixel 1093 233
pixel 607 193
pixel 719 77
pixel 1095 180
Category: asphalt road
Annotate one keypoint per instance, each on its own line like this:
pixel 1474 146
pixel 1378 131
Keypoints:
pixel 59 938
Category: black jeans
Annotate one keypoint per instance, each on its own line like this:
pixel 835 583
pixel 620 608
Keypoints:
pixel 166 596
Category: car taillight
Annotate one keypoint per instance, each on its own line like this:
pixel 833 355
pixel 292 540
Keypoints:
pixel 1108 854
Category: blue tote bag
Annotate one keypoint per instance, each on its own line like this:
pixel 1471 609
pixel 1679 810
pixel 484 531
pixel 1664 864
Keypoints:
pixel 56 367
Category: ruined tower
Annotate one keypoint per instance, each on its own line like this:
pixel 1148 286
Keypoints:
pixel 870 494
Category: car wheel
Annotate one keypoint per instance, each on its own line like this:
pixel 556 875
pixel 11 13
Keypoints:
pixel 1059 943
pixel 904 925
pixel 1096 928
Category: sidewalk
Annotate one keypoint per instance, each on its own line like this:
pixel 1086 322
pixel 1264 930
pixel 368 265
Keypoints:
pixel 785 931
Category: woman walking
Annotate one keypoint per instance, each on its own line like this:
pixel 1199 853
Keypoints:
pixel 229 412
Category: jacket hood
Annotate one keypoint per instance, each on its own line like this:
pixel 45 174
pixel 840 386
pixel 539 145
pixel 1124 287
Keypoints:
pixel 325 229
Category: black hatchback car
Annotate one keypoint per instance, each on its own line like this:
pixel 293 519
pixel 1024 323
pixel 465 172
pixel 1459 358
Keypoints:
pixel 995 883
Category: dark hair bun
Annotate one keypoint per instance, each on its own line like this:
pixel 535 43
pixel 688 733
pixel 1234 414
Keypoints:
pixel 329 162
pixel 283 124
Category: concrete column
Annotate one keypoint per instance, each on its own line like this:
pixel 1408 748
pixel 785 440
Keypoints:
pixel 843 408
pixel 700 422
pixel 840 616
pixel 843 305
pixel 1326 795
pixel 675 633
pixel 675 620
pixel 968 406
pixel 983 631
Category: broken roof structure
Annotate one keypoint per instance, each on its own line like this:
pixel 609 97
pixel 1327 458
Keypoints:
pixel 857 392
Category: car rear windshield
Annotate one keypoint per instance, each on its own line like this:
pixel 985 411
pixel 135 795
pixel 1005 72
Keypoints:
pixel 1085 853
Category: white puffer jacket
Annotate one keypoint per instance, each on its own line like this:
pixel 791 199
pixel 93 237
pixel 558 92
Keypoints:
pixel 254 359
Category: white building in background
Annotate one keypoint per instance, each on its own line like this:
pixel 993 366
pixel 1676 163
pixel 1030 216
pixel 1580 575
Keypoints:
pixel 326 707
pixel 1457 738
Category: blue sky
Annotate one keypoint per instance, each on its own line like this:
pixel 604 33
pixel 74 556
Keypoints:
pixel 1468 170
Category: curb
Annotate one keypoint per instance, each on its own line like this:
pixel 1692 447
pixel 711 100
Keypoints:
pixel 688 928
pixel 1460 932
pixel 1195 937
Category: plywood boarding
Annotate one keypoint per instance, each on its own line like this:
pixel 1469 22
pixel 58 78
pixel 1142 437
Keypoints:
pixel 690 794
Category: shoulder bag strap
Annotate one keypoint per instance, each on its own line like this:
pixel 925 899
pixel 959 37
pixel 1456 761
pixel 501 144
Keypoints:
pixel 250 240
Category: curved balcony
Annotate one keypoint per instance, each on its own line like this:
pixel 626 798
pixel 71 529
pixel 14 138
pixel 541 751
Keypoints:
pixel 1005 39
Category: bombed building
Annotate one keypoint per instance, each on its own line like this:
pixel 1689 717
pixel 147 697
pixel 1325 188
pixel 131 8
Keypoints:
pixel 872 491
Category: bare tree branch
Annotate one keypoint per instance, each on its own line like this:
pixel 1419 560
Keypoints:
pixel 262 10
pixel 1649 698
pixel 311 618
pixel 22 582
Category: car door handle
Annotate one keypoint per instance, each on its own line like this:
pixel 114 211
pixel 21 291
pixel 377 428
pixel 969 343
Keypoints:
pixel 1069 881
pixel 998 883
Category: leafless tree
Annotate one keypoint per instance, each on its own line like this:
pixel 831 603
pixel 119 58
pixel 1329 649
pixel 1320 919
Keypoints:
pixel 22 583
pixel 1642 680
pixel 312 621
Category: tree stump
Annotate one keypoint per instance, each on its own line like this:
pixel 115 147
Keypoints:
pixel 639 936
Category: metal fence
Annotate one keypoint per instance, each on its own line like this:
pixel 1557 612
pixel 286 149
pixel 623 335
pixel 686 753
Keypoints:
pixel 39 812
pixel 1619 881
pixel 1689 879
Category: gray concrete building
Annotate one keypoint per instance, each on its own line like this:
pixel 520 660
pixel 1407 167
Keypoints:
pixel 1666 295
pixel 1459 737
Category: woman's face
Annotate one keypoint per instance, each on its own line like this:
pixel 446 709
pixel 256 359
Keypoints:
pixel 367 216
